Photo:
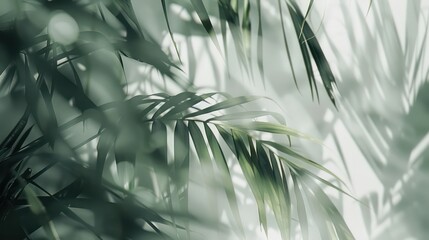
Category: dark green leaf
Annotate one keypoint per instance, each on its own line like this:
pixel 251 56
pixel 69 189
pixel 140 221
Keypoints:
pixel 205 20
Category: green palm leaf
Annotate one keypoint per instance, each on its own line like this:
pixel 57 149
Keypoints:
pixel 127 140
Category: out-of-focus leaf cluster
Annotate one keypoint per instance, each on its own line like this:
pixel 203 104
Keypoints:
pixel 86 156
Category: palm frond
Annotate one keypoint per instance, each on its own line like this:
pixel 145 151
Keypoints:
pixel 91 147
pixel 264 168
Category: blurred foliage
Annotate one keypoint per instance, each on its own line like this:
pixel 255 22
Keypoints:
pixel 80 158
pixel 385 109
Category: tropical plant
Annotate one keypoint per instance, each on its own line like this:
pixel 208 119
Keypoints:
pixel 387 118
pixel 86 158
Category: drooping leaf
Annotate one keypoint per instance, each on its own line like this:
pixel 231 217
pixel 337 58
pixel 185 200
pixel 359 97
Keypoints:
pixel 311 41
pixel 205 20
pixel 292 153
pixel 287 47
pixel 164 9
pixel 304 51
pixel 181 166
pixel 342 230
pixel 302 215
pixel 221 163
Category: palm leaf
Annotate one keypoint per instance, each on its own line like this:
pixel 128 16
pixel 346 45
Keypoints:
pixel 258 168
pixel 122 128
